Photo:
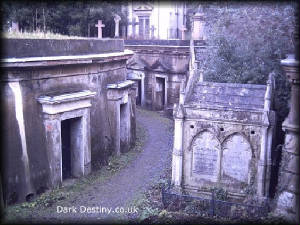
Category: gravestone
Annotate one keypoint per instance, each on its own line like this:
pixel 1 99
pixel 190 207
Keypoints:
pixel 206 156
pixel 236 159
pixel 99 25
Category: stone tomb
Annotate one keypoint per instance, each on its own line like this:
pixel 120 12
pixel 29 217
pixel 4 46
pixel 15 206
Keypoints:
pixel 121 98
pixel 164 65
pixel 139 78
pixel 58 121
pixel 223 139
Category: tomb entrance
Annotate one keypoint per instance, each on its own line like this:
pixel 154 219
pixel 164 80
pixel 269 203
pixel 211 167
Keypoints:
pixel 67 128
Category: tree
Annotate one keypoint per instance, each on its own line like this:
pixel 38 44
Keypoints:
pixel 64 17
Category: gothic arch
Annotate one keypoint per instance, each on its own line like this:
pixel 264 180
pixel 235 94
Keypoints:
pixel 206 156
pixel 237 155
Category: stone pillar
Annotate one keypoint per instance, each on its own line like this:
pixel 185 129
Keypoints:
pixel 178 146
pixel 198 26
pixel 183 30
pixel 117 19
pixel 288 185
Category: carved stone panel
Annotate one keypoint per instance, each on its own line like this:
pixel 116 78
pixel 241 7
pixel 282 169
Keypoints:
pixel 206 156
pixel 236 159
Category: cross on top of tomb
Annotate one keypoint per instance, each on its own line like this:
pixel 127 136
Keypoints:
pixel 99 25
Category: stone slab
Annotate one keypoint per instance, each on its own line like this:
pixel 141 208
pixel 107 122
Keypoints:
pixel 20 48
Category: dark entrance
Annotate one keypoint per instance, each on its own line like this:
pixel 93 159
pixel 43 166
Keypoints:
pixel 124 127
pixel 66 148
pixel 71 139
pixel 139 97
pixel 160 93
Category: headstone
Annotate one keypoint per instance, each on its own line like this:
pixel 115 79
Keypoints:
pixel 99 25
pixel 236 159
pixel 206 150
pixel 117 19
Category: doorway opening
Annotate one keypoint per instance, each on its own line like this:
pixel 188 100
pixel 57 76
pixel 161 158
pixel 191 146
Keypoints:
pixel 72 150
pixel 160 93
pixel 124 127
pixel 139 97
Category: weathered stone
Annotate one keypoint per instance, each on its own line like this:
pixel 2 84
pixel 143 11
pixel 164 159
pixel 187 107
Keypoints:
pixel 20 48
pixel 226 137
pixel 58 102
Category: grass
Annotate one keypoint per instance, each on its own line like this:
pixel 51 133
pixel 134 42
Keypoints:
pixel 46 200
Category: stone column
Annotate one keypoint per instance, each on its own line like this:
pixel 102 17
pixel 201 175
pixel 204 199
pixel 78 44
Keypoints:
pixel 198 26
pixel 288 185
pixel 117 19
pixel 178 146
pixel 183 30
pixel 53 139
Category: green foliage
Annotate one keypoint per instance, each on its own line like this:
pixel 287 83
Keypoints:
pixel 64 17
pixel 249 40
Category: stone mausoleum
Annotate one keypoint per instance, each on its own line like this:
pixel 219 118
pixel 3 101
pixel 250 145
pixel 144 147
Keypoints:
pixel 223 138
pixel 159 67
pixel 67 105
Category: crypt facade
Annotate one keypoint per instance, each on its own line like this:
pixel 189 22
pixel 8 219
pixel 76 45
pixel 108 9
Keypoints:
pixel 67 105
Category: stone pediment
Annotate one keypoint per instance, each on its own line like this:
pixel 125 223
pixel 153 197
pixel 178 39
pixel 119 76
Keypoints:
pixel 143 7
pixel 160 66
pixel 137 64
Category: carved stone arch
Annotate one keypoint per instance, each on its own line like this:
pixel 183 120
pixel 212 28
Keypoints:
pixel 237 157
pixel 206 156
pixel 245 136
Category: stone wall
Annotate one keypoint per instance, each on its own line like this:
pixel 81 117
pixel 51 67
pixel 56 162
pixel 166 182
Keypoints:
pixel 26 161
pixel 165 59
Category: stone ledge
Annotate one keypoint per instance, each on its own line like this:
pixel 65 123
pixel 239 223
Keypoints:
pixel 20 48
pixel 56 99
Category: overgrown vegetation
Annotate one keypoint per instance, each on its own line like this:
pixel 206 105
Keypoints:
pixel 248 41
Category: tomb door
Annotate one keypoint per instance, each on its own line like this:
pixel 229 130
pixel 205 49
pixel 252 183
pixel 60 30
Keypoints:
pixel 160 93
pixel 139 97
pixel 206 157
pixel 124 127
pixel 72 151
pixel 236 160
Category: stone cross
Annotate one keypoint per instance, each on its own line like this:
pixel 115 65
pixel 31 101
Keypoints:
pixel 152 31
pixel 117 19
pixel 183 30
pixel 99 25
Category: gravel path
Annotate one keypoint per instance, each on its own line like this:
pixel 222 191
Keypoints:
pixel 128 183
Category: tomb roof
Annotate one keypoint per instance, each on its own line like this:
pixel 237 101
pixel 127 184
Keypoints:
pixel 228 96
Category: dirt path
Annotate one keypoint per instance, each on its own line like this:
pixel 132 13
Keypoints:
pixel 125 185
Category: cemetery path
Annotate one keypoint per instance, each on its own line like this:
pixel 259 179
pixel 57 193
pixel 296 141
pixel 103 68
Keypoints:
pixel 126 185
